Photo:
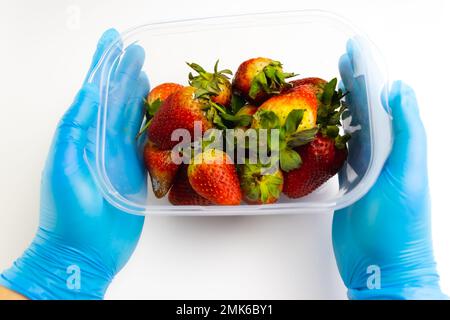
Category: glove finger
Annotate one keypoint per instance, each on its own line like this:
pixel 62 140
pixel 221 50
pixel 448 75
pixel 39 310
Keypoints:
pixel 66 155
pixel 109 38
pixel 355 86
pixel 74 124
pixel 353 53
pixel 350 68
pixel 135 109
pixel 80 116
pixel 71 135
pixel 124 83
pixel 346 72
pixel 409 150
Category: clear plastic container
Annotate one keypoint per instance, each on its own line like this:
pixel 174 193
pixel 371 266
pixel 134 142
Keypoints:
pixel 307 42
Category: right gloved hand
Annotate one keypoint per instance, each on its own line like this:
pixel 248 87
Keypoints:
pixel 387 233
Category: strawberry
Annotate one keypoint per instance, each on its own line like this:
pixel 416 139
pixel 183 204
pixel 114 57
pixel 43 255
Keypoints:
pixel 259 185
pixel 315 83
pixel 182 193
pixel 161 168
pixel 179 110
pixel 213 176
pixel 330 110
pixel 259 78
pixel 321 160
pixel 302 98
pixel 326 154
pixel 162 92
pixel 216 85
pixel 248 109
pixel 290 134
pixel 154 100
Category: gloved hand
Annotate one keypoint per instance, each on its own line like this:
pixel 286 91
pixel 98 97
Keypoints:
pixel 382 243
pixel 83 241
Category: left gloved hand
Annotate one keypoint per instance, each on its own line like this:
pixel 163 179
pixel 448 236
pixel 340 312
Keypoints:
pixel 83 241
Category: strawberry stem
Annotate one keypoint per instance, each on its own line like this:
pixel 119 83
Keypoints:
pixel 217 107
pixel 144 128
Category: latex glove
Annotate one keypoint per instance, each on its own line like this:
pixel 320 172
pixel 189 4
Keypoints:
pixel 382 243
pixel 82 241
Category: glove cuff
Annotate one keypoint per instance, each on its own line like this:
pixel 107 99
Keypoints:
pixel 48 269
pixel 406 293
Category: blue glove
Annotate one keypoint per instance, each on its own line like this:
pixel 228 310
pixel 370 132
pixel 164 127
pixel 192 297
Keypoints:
pixel 83 241
pixel 382 243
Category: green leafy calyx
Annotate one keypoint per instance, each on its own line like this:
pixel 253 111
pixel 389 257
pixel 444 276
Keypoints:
pixel 331 110
pixel 270 80
pixel 150 111
pixel 289 137
pixel 208 83
pixel 260 183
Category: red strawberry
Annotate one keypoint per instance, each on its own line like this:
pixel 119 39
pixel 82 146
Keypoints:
pixel 162 92
pixel 215 85
pixel 325 155
pixel 213 176
pixel 180 110
pixel 161 168
pixel 259 78
pixel 155 98
pixel 321 160
pixel 316 83
pixel 182 193
pixel 259 187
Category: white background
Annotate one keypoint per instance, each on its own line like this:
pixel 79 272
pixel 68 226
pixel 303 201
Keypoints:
pixel 43 58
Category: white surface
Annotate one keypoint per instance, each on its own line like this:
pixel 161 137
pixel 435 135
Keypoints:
pixel 44 52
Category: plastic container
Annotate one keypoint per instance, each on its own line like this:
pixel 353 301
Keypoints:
pixel 307 42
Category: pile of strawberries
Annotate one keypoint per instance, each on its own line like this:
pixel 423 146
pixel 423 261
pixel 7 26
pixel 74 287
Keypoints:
pixel 307 113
